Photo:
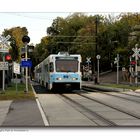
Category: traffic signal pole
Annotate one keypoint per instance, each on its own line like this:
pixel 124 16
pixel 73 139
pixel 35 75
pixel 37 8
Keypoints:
pixel 26 40
pixel 26 72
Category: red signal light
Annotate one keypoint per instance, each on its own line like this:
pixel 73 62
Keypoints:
pixel 133 62
pixel 8 57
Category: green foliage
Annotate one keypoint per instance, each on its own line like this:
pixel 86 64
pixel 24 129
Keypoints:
pixel 16 43
pixel 80 33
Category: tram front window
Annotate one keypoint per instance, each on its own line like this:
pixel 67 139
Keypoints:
pixel 66 66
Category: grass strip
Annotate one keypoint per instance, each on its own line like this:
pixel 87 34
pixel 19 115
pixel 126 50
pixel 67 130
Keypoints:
pixel 11 94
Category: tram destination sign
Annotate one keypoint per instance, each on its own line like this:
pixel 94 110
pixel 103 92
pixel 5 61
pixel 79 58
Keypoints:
pixel 3 65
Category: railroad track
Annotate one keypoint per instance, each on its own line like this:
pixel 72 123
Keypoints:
pixel 88 112
pixel 128 97
pixel 84 100
pixel 105 120
pixel 112 106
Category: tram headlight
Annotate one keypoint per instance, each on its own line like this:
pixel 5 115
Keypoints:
pixel 74 78
pixel 59 78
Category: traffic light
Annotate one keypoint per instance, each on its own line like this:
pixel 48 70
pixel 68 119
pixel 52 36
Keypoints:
pixel 30 48
pixel 8 57
pixel 22 55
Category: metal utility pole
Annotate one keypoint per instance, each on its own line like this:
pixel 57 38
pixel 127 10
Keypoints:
pixel 117 68
pixel 96 40
pixel 117 61
pixel 3 76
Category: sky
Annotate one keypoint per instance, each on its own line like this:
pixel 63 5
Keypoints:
pixel 37 15
pixel 35 22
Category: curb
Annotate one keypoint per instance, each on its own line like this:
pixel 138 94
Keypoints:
pixel 137 90
pixel 107 89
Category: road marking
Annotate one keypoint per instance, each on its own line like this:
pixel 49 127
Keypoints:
pixel 46 123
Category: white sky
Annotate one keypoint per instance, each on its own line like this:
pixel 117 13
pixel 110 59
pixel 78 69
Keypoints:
pixel 36 23
pixel 37 15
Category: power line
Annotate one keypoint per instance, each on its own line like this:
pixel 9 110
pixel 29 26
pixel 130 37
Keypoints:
pixel 72 36
pixel 31 17
pixel 74 42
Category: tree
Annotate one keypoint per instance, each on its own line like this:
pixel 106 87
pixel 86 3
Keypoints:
pixel 16 43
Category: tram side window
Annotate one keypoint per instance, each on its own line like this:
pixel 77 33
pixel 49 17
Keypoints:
pixel 51 67
pixel 46 67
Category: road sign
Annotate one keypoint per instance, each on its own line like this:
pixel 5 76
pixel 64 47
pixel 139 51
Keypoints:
pixel 16 68
pixel 136 52
pixel 4 50
pixel 4 44
pixel 3 65
pixel 88 59
pixel 98 56
pixel 25 63
pixel 5 39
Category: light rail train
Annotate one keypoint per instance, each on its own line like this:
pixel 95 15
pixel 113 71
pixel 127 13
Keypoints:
pixel 60 71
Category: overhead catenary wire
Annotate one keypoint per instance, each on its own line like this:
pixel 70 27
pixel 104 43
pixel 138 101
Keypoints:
pixel 71 36
pixel 74 42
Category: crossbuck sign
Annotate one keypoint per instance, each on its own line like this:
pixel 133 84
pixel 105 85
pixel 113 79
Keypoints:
pixel 136 52
pixel 4 43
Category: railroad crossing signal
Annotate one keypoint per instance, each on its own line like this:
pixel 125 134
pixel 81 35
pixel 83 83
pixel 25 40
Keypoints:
pixel 4 49
pixel 4 40
pixel 136 52
pixel 88 59
pixel 4 43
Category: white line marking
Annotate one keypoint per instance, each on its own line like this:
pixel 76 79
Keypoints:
pixel 42 113
pixel 46 123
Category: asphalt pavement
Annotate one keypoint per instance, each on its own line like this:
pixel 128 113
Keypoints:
pixel 21 113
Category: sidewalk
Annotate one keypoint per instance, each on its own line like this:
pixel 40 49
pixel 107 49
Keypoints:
pixel 23 113
pixel 4 108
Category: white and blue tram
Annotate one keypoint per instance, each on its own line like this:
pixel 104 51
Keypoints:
pixel 59 71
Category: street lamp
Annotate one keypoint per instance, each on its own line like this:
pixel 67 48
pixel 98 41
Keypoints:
pixel 26 40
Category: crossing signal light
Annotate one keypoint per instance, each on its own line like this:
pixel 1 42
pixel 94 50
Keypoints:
pixel 8 57
pixel 23 55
